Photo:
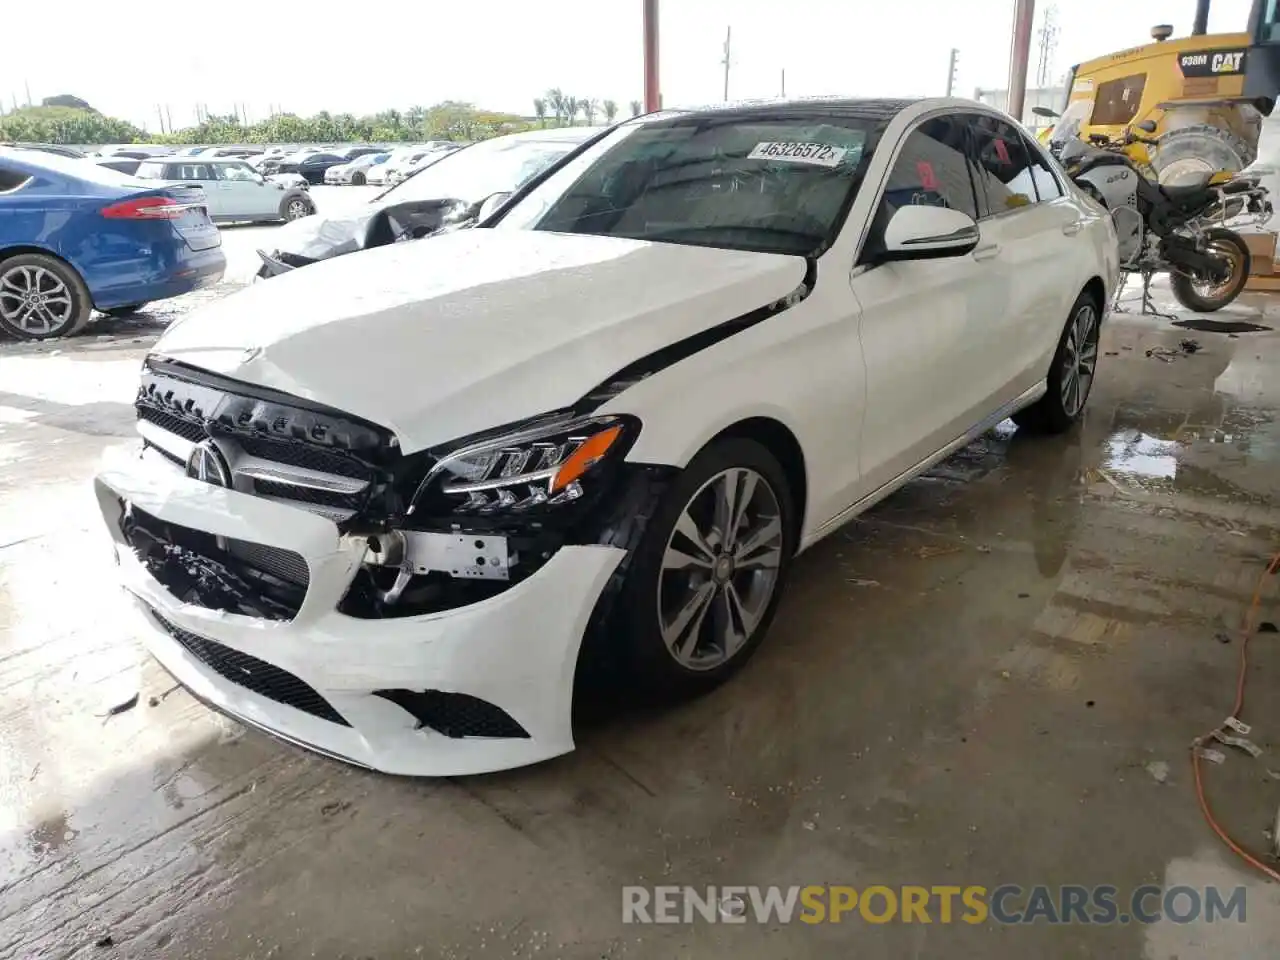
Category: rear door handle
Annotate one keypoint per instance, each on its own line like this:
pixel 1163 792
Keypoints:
pixel 1072 228
pixel 987 252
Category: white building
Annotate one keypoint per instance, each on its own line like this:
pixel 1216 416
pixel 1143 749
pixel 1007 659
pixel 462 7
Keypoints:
pixel 1053 97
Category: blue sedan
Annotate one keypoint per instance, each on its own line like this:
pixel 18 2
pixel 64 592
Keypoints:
pixel 75 237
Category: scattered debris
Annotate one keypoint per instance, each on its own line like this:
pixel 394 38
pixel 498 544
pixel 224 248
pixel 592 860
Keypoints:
pixel 335 806
pixel 1275 834
pixel 1112 353
pixel 1273 774
pixel 1024 596
pixel 153 701
pixel 1164 354
pixel 859 582
pixel 1213 756
pixel 925 553
pixel 1189 345
pixel 1240 743
pixel 982 548
pixel 1089 703
pixel 121 707
pixel 1159 770
pixel 104 941
pixel 1222 636
pixel 809 825
pixel 34 771
pixel 1005 675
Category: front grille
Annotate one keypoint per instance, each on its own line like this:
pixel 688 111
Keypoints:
pixel 456 714
pixel 301 455
pixel 321 498
pixel 186 429
pixel 285 564
pixel 253 674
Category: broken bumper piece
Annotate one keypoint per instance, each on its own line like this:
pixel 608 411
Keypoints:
pixel 482 687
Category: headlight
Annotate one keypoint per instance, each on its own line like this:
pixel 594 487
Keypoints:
pixel 542 466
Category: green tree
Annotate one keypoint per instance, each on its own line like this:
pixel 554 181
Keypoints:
pixel 636 107
pixel 540 111
pixel 555 97
pixel 589 108
pixel 610 108
pixel 571 107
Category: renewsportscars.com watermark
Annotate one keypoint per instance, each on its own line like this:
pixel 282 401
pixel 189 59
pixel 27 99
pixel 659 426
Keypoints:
pixel 1005 904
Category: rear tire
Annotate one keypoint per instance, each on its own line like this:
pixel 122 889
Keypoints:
pixel 731 583
pixel 66 305
pixel 1071 374
pixel 1231 244
pixel 295 208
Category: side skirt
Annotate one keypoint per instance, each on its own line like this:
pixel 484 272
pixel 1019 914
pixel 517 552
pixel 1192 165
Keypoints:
pixel 966 438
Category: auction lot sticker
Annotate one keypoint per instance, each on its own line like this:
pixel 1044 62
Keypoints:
pixel 818 154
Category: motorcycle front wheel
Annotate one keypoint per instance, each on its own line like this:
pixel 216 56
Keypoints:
pixel 1207 294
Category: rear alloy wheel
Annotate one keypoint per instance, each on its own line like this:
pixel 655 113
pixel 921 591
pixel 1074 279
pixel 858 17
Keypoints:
pixel 707 575
pixel 1071 375
pixel 298 207
pixel 41 297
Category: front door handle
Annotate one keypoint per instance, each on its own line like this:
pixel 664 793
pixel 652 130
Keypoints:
pixel 1072 228
pixel 987 252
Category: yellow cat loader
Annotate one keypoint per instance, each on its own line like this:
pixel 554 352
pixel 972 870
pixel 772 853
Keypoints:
pixel 1206 95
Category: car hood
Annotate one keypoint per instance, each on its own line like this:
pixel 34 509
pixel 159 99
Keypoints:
pixel 475 329
pixel 319 237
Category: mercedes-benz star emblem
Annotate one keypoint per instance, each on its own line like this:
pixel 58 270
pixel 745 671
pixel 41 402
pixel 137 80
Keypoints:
pixel 207 463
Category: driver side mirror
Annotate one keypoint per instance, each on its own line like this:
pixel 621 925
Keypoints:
pixel 919 232
pixel 1147 126
pixel 491 205
pixel 1045 112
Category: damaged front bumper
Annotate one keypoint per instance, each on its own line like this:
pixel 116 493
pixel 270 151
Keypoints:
pixel 475 688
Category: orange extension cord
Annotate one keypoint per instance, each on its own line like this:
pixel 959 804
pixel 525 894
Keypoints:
pixel 1249 626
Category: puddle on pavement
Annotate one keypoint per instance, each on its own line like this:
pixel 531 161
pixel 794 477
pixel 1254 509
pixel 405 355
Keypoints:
pixel 1205 325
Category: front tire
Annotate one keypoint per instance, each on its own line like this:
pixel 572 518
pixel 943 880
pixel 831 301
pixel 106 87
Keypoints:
pixel 41 297
pixel 357 179
pixel 1072 373
pixel 1213 294
pixel 705 580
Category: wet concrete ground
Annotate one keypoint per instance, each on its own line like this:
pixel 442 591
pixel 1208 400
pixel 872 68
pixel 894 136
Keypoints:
pixel 980 682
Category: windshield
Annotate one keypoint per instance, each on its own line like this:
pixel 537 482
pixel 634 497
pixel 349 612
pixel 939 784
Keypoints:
pixel 1068 125
pixel 776 185
pixel 475 173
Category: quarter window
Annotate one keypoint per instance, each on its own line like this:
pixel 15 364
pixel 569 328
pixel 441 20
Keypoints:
pixel 1005 179
pixel 1047 185
pixel 11 179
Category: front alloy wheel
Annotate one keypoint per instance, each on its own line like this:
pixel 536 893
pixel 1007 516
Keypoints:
pixel 703 576
pixel 720 569
pixel 297 209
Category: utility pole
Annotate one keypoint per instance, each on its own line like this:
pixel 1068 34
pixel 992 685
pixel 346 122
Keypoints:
pixel 728 31
pixel 784 81
pixel 951 71
pixel 28 83
pixel 1024 12
pixel 652 88
pixel 1048 45
pixel 160 114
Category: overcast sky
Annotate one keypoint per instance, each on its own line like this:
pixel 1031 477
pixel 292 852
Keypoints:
pixel 362 57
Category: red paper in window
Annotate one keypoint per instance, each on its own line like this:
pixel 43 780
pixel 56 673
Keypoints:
pixel 1002 151
pixel 928 179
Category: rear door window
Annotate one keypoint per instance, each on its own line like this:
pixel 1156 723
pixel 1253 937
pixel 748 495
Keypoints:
pixel 152 171
pixel 1116 101
pixel 1005 178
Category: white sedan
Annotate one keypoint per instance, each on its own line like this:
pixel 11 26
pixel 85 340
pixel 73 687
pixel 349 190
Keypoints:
pixel 392 506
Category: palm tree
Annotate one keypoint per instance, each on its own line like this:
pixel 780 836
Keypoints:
pixel 571 106
pixel 540 110
pixel 555 97
pixel 589 109
pixel 610 110
pixel 635 108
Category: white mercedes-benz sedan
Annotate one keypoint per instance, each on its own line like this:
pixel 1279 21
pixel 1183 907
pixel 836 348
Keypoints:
pixel 393 506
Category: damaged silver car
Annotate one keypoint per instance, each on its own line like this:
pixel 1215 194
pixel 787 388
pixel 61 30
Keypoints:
pixel 459 189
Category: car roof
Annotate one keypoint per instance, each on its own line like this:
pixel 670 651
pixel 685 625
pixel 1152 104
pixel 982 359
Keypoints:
pixel 852 108
pixel 557 134
pixel 194 158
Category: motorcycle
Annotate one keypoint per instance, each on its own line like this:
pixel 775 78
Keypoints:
pixel 1180 229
